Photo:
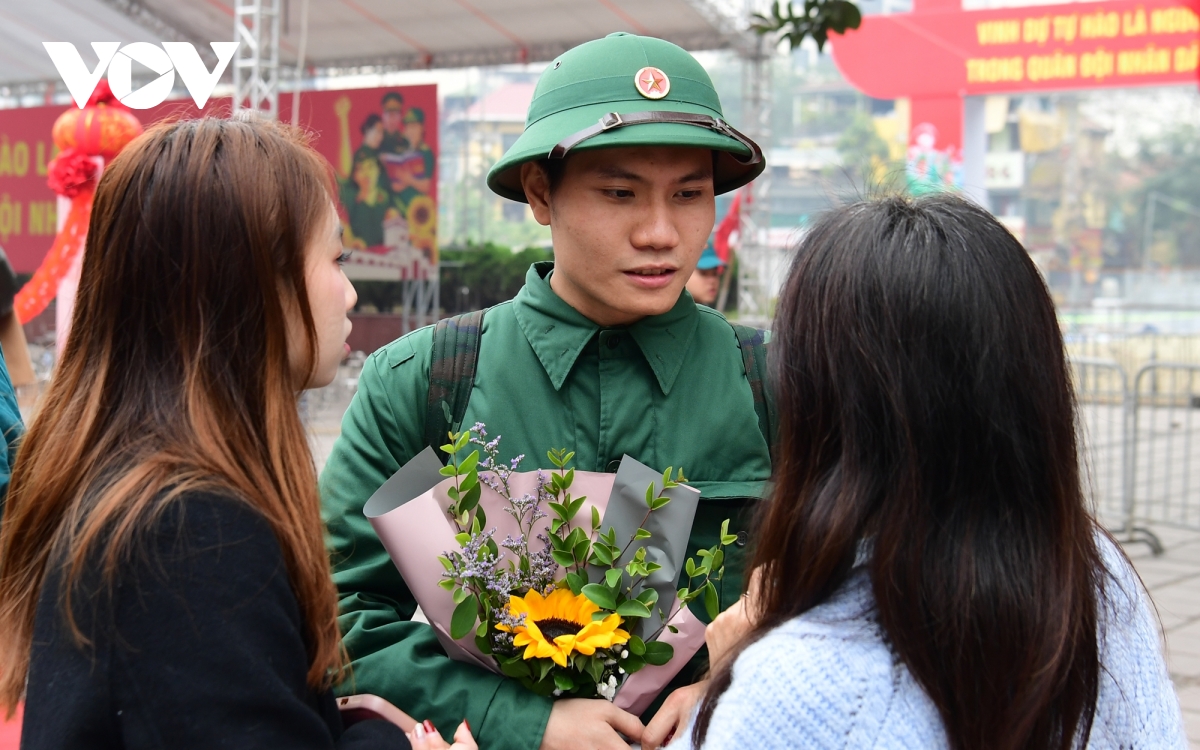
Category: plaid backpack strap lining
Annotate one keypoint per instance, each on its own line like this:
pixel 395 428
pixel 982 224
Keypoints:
pixel 451 375
pixel 753 343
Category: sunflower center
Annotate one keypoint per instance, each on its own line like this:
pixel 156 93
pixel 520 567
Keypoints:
pixel 553 627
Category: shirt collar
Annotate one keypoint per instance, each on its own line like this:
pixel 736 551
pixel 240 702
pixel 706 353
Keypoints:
pixel 558 332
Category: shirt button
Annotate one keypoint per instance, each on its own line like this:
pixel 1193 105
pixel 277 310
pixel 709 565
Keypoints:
pixel 614 341
pixel 742 538
pixel 613 465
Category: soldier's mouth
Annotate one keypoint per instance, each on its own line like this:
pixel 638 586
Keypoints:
pixel 651 278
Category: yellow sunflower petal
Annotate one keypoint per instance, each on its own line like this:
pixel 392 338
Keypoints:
pixel 559 604
pixel 565 607
pixel 532 602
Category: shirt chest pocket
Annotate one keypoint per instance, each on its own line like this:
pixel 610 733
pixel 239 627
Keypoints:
pixel 719 501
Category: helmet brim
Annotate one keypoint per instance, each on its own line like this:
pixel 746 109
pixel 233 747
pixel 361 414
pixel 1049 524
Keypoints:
pixel 539 138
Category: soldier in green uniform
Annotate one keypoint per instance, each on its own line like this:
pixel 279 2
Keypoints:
pixel 600 352
pixel 394 141
pixel 416 178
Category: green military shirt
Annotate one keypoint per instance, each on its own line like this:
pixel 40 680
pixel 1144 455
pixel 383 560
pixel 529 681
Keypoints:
pixel 669 390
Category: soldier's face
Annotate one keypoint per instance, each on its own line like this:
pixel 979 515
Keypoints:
pixel 628 226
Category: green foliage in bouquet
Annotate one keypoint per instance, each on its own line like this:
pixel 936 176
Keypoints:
pixel 552 616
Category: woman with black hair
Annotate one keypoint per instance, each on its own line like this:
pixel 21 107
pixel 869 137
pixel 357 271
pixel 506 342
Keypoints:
pixel 928 572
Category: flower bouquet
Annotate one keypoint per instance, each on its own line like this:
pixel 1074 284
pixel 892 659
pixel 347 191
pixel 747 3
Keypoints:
pixel 564 581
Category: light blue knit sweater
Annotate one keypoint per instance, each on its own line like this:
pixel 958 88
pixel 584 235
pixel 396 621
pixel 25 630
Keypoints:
pixel 827 679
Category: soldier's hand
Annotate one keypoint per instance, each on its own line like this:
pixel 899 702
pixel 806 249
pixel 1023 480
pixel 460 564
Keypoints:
pixel 674 716
pixel 590 724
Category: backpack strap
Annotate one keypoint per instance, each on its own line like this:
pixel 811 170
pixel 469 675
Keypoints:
pixel 451 375
pixel 753 343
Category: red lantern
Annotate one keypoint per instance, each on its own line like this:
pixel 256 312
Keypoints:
pixel 102 128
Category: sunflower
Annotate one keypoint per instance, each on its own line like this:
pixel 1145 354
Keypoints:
pixel 422 216
pixel 558 624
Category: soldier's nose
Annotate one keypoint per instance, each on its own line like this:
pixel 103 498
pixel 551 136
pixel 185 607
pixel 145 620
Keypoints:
pixel 656 232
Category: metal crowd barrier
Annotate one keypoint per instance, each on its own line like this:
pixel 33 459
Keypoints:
pixel 1139 441
pixel 1101 389
pixel 1165 440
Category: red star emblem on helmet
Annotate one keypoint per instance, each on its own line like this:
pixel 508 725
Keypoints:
pixel 652 83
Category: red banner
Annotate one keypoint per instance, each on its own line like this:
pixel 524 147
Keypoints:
pixel 382 143
pixel 27 206
pixel 940 52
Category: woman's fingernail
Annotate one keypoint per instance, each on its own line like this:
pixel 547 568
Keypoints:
pixel 419 731
pixel 429 726
pixel 467 724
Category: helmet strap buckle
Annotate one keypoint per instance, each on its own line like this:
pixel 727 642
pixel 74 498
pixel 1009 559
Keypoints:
pixel 613 120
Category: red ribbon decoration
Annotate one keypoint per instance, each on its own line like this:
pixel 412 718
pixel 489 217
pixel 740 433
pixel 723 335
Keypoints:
pixel 43 287
pixel 102 128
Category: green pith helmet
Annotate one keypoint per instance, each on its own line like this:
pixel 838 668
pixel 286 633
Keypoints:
pixel 626 90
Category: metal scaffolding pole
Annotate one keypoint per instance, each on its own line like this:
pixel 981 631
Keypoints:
pixel 754 259
pixel 256 65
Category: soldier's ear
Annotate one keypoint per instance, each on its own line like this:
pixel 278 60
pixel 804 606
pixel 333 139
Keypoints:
pixel 536 184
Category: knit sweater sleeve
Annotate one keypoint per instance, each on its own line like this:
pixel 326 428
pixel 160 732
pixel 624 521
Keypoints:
pixel 1137 705
pixel 822 681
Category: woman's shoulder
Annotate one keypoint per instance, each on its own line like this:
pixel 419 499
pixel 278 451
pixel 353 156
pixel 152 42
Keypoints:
pixel 208 514
pixel 209 526
pixel 825 679
pixel 840 639
pixel 203 550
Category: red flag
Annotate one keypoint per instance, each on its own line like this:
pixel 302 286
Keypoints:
pixel 726 227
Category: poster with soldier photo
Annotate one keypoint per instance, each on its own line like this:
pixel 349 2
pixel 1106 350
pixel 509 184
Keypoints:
pixel 383 146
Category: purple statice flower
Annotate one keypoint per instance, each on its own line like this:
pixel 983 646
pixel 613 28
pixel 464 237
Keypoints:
pixel 508 619
pixel 474 566
pixel 514 544
pixel 542 567
pixel 492 483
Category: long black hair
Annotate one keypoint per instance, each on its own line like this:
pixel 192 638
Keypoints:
pixel 925 408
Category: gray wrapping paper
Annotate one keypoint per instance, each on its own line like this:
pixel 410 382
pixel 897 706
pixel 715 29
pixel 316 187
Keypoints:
pixel 670 525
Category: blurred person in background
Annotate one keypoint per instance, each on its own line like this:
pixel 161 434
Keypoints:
pixel 18 384
pixel 12 335
pixel 163 574
pixel 705 282
pixel 927 572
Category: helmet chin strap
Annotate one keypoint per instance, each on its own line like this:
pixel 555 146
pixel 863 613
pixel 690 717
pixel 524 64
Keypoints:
pixel 612 121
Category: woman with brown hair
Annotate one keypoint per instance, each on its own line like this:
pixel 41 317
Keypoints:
pixel 929 575
pixel 163 574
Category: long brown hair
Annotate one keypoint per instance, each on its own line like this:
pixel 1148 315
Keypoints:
pixel 176 373
pixel 926 415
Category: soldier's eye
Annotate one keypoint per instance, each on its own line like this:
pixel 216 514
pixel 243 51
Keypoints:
pixel 619 193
